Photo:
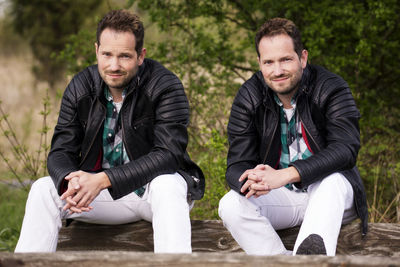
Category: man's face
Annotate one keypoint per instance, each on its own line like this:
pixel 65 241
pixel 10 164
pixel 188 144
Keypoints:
pixel 280 65
pixel 117 59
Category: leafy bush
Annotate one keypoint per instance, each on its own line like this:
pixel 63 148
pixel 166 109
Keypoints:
pixel 213 162
pixel 12 207
pixel 24 164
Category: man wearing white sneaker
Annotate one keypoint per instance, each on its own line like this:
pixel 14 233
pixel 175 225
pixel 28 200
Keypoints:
pixel 294 138
pixel 118 151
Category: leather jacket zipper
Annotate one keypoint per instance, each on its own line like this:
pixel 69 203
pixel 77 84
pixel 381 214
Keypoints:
pixel 92 142
pixel 307 132
pixel 123 137
pixel 270 143
pixel 122 119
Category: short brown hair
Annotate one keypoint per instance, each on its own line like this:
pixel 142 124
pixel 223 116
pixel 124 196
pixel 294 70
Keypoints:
pixel 276 26
pixel 122 21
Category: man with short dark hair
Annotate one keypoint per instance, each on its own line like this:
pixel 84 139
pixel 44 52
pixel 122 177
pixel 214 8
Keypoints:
pixel 118 151
pixel 294 139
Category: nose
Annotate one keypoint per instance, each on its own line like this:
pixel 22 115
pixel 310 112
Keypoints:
pixel 278 70
pixel 114 64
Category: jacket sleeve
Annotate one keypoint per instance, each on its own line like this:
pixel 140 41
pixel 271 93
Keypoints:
pixel 171 111
pixel 243 138
pixel 67 138
pixel 341 132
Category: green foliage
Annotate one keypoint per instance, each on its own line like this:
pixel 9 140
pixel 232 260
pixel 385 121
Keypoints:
pixel 47 25
pixel 79 51
pixel 25 165
pixel 212 162
pixel 12 207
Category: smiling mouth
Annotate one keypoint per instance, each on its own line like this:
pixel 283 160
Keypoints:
pixel 280 79
pixel 114 74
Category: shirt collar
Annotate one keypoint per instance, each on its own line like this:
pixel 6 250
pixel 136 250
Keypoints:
pixel 109 97
pixel 292 101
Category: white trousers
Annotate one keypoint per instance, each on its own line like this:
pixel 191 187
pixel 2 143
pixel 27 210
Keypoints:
pixel 164 203
pixel 321 210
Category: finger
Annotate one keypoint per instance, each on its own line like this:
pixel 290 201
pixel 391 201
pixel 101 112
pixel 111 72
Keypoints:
pixel 262 192
pixel 244 176
pixel 69 193
pixel 261 187
pixel 250 193
pixel 83 201
pixel 89 202
pixel 78 196
pixel 70 212
pixel 70 177
pixel 73 174
pixel 84 209
pixel 75 183
pixel 253 177
pixel 246 186
pixel 73 187
pixel 67 206
pixel 70 201
pixel 75 209
pixel 260 167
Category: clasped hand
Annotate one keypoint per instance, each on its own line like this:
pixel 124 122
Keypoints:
pixel 83 187
pixel 260 180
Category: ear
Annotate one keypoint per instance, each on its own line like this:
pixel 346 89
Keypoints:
pixel 96 46
pixel 303 58
pixel 141 56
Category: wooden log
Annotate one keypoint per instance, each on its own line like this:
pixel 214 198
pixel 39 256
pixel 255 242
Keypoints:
pixel 211 236
pixel 207 236
pixel 124 259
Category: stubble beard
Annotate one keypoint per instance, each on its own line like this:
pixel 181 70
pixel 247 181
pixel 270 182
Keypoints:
pixel 119 85
pixel 291 88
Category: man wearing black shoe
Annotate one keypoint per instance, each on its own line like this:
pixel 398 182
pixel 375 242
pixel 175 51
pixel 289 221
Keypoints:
pixel 294 139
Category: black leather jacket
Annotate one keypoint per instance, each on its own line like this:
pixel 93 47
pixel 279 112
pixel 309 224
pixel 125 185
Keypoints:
pixel 329 116
pixel 154 117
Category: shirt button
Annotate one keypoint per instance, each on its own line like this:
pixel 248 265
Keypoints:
pixel 109 134
pixel 117 150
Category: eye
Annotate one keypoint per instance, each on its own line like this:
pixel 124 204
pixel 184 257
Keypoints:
pixel 125 56
pixel 267 62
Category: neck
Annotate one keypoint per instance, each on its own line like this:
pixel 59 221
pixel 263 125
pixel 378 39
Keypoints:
pixel 116 94
pixel 286 99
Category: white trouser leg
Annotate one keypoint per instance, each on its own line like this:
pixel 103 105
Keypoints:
pixel 170 209
pixel 171 221
pixel 330 204
pixel 252 221
pixel 42 220
pixel 43 214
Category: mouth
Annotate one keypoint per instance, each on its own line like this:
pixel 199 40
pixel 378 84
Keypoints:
pixel 280 79
pixel 115 74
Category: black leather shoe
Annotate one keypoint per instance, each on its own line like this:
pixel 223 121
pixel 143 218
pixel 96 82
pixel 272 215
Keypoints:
pixel 312 245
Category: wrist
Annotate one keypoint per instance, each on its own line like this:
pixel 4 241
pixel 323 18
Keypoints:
pixel 292 175
pixel 105 181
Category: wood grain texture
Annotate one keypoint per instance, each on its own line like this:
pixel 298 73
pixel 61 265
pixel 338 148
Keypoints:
pixel 211 236
pixel 124 259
